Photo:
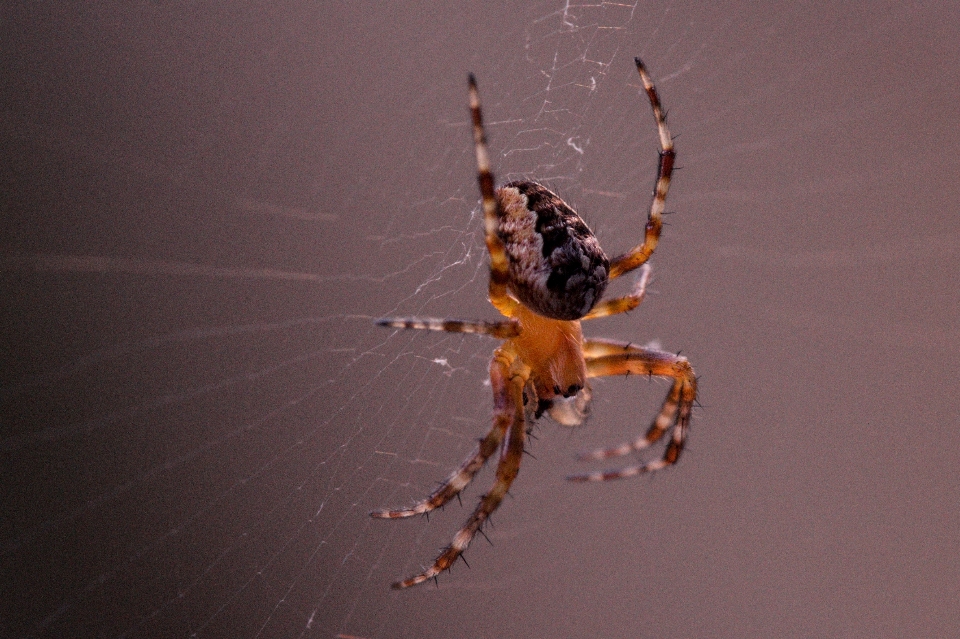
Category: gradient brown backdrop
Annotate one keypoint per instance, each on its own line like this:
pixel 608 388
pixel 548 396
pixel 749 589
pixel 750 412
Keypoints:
pixel 204 204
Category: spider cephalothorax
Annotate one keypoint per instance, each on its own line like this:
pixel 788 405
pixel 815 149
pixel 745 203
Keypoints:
pixel 547 273
pixel 557 267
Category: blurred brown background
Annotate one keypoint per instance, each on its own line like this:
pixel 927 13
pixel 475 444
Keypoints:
pixel 205 204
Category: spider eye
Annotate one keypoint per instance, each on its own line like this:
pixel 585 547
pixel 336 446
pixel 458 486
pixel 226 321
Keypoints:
pixel 557 268
pixel 572 390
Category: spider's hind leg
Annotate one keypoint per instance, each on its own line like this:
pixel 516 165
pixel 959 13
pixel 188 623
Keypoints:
pixel 625 304
pixel 499 262
pixel 641 253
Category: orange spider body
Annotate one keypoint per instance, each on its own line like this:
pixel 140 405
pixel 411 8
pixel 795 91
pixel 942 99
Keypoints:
pixel 547 273
pixel 553 350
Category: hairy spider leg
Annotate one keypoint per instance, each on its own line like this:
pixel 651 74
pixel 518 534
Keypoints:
pixel 508 376
pixel 502 330
pixel 606 358
pixel 616 305
pixel 499 262
pixel 641 253
pixel 464 474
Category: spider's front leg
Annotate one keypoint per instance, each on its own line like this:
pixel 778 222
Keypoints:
pixel 507 381
pixel 464 474
pixel 606 358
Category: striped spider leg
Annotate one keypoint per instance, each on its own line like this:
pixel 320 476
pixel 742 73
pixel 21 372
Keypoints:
pixel 639 254
pixel 608 357
pixel 508 433
pixel 547 274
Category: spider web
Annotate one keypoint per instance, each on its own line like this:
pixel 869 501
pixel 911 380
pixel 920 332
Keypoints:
pixel 194 442
pixel 203 206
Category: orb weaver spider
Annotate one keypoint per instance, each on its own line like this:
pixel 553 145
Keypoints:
pixel 547 274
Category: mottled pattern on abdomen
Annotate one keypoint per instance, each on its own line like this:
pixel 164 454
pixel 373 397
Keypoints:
pixel 557 267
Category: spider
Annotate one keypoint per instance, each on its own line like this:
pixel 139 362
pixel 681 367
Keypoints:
pixel 547 274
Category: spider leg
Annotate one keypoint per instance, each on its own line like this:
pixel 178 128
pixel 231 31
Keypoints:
pixel 623 304
pixel 641 253
pixel 464 474
pixel 606 358
pixel 503 330
pixel 499 262
pixel 598 347
pixel 509 408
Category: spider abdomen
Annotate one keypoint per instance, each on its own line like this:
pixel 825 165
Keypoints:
pixel 557 267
